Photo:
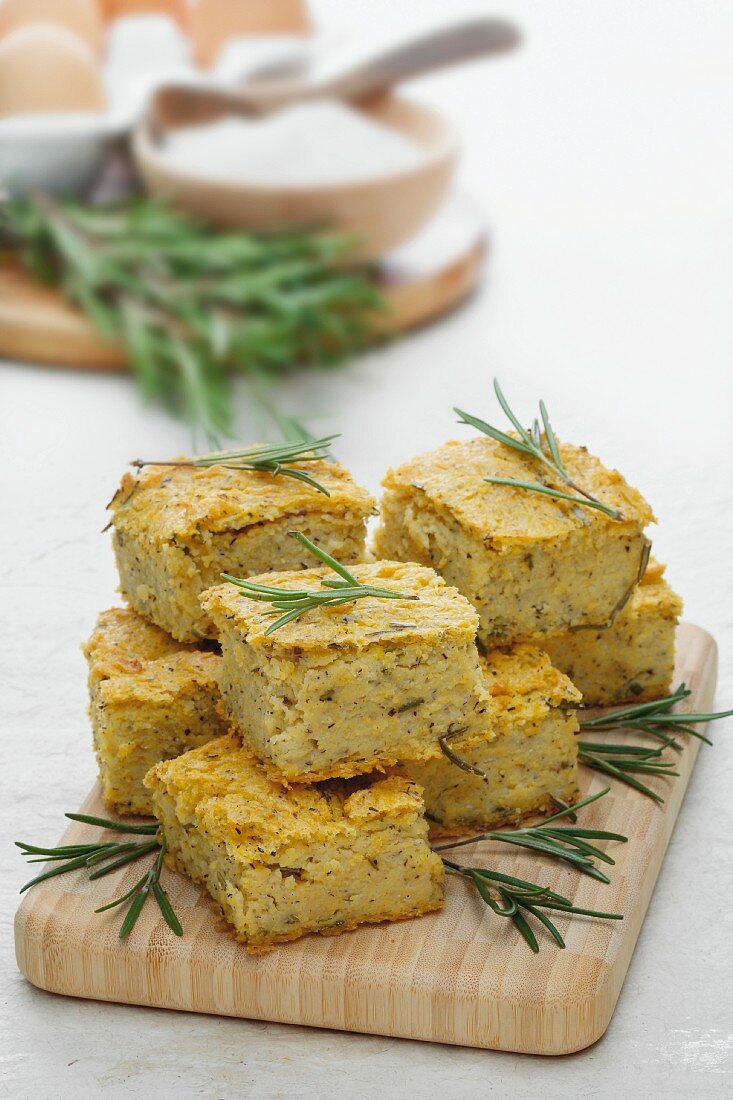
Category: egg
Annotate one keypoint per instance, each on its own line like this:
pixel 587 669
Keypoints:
pixel 83 17
pixel 45 69
pixel 176 9
pixel 215 22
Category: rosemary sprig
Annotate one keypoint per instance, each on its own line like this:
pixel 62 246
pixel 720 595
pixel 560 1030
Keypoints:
pixel 191 304
pixel 538 442
pixel 272 459
pixel 656 719
pixel 514 897
pixel 567 843
pixel 622 761
pixel 105 858
pixel 295 602
pixel 508 896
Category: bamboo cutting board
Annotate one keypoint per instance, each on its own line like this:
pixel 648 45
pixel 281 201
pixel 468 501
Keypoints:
pixel 461 976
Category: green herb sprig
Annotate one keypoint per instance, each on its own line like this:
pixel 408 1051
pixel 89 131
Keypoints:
pixel 569 844
pixel 532 442
pixel 332 593
pixel 190 304
pixel 515 898
pixel 656 719
pixel 623 761
pixel 272 459
pixel 102 859
pixel 512 897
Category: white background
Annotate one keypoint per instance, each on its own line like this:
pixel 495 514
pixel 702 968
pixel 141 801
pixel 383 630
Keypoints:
pixel 602 154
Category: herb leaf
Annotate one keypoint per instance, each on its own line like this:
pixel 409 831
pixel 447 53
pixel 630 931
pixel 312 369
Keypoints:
pixel 106 857
pixel 657 720
pixel 511 897
pixel 563 844
pixel 531 443
pixel 269 458
pixel 193 305
pixel 332 593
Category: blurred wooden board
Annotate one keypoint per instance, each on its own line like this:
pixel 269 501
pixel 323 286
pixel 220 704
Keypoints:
pixel 462 976
pixel 421 281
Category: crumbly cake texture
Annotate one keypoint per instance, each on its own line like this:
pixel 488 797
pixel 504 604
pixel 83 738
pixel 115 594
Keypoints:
pixel 631 661
pixel 343 690
pixel 151 698
pixel 530 564
pixel 284 861
pixel 532 758
pixel 176 529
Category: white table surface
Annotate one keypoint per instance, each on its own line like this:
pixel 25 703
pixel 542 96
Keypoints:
pixel 602 153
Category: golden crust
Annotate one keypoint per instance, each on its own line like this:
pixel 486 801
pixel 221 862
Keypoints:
pixel 452 478
pixel 654 594
pixel 529 757
pixel 281 863
pixel 347 769
pixel 150 699
pixel 170 502
pixel 439 612
pixel 521 670
pixel 132 660
pixel 226 783
pixel 122 640
pixel 523 688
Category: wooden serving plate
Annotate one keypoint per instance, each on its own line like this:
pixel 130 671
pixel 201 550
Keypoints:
pixel 421 281
pixel 460 976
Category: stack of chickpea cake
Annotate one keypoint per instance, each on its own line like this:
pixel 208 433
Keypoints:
pixel 294 770
pixel 570 607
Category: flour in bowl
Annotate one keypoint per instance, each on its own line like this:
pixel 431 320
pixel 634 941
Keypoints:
pixel 309 144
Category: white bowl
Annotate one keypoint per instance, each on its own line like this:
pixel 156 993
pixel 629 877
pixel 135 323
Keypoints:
pixel 61 154
pixel 64 153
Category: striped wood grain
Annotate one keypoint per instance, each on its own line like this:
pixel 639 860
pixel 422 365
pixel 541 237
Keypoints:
pixel 461 976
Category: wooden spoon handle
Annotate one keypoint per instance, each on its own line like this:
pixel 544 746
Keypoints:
pixel 374 69
pixel 380 68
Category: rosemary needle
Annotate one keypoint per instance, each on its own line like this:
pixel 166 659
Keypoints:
pixel 271 459
pixel 567 843
pixel 191 304
pixel 507 896
pixel 535 442
pixel 511 897
pixel 655 718
pixel 117 826
pixel 622 761
pixel 332 593
pixel 102 859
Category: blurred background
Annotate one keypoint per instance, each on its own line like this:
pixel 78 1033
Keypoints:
pixel 556 212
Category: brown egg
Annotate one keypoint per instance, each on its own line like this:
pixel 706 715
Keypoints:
pixel 45 69
pixel 176 9
pixel 215 22
pixel 83 17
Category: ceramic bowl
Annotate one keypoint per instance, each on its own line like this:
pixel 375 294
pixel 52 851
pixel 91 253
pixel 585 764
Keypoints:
pixel 380 212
